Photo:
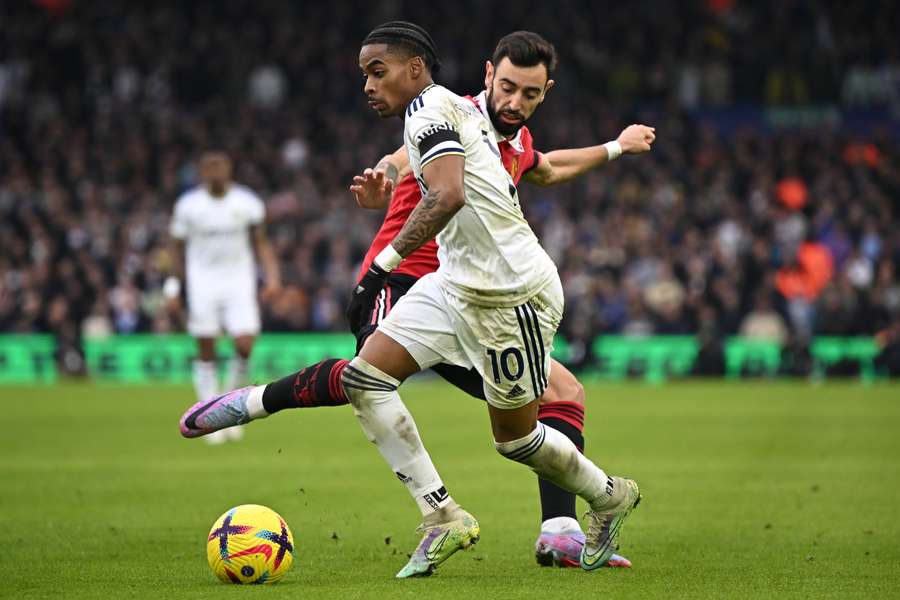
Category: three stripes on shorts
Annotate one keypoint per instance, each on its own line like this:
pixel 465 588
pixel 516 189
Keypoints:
pixel 533 342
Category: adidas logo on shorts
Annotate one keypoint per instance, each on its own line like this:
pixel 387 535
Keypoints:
pixel 515 392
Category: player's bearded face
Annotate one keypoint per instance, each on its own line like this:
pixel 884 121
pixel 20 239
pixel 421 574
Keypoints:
pixel 513 94
pixel 389 85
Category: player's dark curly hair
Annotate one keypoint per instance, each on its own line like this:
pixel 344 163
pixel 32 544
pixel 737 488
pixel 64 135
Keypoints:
pixel 409 37
pixel 526 49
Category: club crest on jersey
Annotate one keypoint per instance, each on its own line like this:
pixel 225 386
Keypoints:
pixel 513 166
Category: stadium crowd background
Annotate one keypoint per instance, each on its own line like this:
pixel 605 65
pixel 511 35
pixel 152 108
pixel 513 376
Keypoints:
pixel 727 227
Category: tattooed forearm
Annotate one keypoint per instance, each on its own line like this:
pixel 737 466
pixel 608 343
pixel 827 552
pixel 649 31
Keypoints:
pixel 427 219
pixel 390 170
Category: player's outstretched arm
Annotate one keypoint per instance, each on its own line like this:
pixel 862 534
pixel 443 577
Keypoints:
pixel 172 285
pixel 374 187
pixel 560 166
pixel 269 262
pixel 444 197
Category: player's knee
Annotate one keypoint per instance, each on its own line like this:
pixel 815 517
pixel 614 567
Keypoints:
pixel 576 391
pixel 564 387
pixel 243 346
pixel 206 349
pixel 364 384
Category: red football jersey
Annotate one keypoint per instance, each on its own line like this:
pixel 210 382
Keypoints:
pixel 518 156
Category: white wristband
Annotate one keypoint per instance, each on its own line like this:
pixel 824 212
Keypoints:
pixel 388 259
pixel 613 149
pixel 171 287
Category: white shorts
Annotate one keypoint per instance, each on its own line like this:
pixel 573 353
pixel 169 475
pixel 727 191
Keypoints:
pixel 509 347
pixel 235 311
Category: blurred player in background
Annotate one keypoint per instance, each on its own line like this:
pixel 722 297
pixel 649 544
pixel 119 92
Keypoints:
pixel 214 229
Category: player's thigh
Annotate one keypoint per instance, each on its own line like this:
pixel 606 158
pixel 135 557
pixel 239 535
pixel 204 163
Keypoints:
pixel 510 347
pixel 241 314
pixel 388 356
pixel 203 314
pixel 421 324
pixel 563 386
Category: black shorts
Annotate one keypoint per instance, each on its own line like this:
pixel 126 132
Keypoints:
pixel 396 286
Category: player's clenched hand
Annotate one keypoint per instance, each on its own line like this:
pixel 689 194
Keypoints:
pixel 270 292
pixel 363 300
pixel 173 305
pixel 372 189
pixel 636 139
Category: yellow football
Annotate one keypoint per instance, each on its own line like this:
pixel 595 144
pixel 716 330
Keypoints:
pixel 250 544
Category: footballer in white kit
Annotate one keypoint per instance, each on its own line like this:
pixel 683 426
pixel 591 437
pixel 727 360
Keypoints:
pixel 219 222
pixel 496 300
pixel 494 304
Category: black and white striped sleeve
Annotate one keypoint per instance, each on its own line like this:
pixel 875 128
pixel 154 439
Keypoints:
pixel 439 140
pixel 433 131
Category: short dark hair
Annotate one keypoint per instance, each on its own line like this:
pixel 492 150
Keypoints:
pixel 526 49
pixel 410 38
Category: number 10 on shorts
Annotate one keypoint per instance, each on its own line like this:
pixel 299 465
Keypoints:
pixel 509 362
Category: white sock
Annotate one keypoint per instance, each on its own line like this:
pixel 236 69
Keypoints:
pixel 559 525
pixel 388 424
pixel 205 379
pixel 255 404
pixel 237 373
pixel 555 458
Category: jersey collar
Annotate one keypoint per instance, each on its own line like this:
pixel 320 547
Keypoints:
pixel 420 94
pixel 515 141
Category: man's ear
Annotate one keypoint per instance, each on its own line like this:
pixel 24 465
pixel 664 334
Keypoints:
pixel 549 86
pixel 488 74
pixel 416 67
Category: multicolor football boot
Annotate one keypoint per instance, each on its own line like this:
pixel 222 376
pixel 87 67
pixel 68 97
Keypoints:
pixel 217 413
pixel 445 532
pixel 605 523
pixel 564 550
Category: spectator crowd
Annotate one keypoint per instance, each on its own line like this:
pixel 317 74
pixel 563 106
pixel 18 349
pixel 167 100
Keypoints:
pixel 769 232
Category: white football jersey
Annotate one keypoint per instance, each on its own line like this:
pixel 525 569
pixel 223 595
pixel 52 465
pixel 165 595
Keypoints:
pixel 216 232
pixel 488 253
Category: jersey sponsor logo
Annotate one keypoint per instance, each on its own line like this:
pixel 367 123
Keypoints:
pixel 217 232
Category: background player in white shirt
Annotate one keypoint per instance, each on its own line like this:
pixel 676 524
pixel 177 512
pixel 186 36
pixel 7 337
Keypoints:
pixel 215 227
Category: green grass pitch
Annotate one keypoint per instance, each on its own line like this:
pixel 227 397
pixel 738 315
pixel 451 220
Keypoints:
pixel 751 490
